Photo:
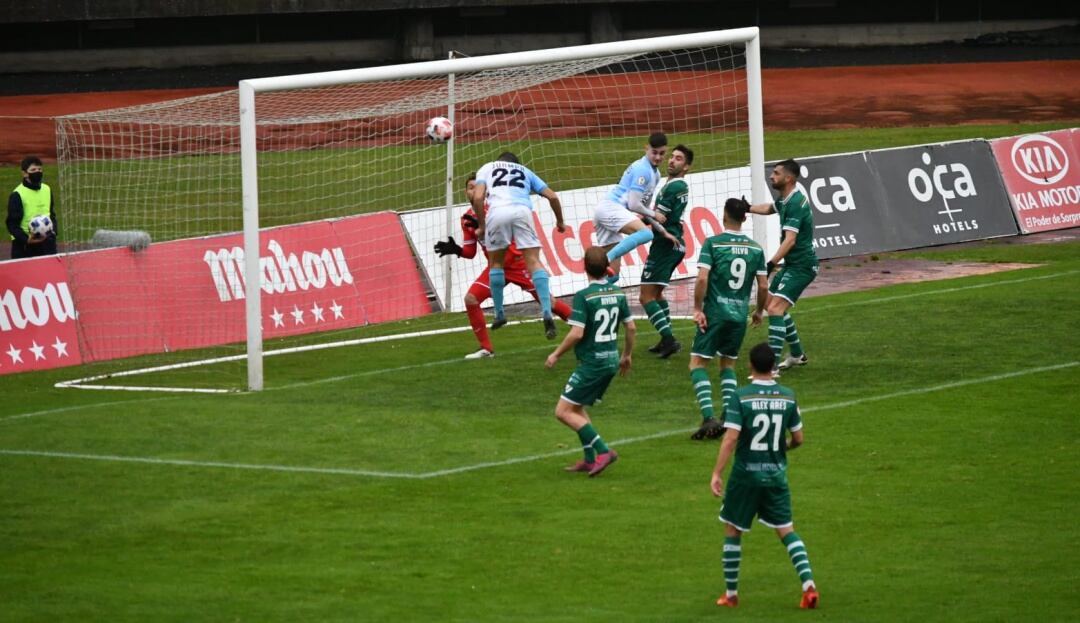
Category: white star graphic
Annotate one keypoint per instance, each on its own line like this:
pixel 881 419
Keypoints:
pixel 298 315
pixel 334 307
pixel 61 347
pixel 317 312
pixel 278 318
pixel 39 351
pixel 14 353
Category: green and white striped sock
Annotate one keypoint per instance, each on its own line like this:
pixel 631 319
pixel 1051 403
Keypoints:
pixel 777 333
pixel 703 391
pixel 728 385
pixel 658 318
pixel 792 336
pixel 797 552
pixel 732 557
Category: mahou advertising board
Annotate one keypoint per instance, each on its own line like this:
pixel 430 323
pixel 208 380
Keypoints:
pixel 37 316
pixel 1042 177
pixel 112 303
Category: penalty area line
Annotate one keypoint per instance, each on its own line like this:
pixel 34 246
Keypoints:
pixel 512 461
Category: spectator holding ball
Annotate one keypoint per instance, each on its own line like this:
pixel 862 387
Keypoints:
pixel 31 219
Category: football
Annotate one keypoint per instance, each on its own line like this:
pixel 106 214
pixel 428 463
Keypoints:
pixel 40 226
pixel 439 129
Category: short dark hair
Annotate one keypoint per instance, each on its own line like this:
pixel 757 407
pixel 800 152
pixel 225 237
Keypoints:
pixel 596 262
pixel 471 177
pixel 689 153
pixel 509 156
pixel 29 161
pixel 790 166
pixel 736 209
pixel 657 139
pixel 762 359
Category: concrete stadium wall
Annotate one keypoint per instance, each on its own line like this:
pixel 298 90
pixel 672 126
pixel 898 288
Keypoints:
pixel 420 43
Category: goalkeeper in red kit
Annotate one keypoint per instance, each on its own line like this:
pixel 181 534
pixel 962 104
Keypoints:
pixel 516 273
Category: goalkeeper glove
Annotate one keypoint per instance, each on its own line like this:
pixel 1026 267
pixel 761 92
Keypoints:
pixel 447 247
pixel 769 266
pixel 469 221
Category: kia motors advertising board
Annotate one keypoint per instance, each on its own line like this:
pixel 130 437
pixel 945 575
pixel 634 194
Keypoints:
pixel 940 194
pixel 1042 177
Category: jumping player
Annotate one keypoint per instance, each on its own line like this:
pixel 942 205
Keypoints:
pixel 480 290
pixel 619 212
pixel 506 185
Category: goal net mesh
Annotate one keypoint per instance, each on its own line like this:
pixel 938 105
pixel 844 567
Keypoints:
pixel 352 196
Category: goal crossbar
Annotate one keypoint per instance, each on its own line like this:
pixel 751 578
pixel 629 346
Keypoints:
pixel 248 128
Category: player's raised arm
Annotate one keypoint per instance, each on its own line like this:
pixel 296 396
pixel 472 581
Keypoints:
pixel 763 209
pixel 556 207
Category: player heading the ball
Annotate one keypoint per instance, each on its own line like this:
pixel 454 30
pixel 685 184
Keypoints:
pixel 503 206
pixel 480 290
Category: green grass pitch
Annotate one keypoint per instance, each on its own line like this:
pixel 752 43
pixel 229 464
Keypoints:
pixel 938 481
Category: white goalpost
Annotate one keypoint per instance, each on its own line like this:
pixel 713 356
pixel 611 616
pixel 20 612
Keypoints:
pixel 315 199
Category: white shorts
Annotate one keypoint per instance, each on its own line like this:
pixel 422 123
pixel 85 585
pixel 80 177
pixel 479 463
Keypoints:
pixel 609 218
pixel 507 224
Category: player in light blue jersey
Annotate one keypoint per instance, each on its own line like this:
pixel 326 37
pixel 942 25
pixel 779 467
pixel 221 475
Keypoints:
pixel 503 205
pixel 618 213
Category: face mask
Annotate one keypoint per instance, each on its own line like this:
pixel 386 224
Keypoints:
pixel 35 178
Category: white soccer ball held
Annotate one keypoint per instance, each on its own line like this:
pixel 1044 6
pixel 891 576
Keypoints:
pixel 40 226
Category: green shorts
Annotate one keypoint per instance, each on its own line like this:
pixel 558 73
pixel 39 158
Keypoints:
pixel 722 338
pixel 743 499
pixel 585 386
pixel 661 264
pixel 790 281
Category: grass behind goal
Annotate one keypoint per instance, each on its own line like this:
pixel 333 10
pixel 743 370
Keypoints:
pixel 933 486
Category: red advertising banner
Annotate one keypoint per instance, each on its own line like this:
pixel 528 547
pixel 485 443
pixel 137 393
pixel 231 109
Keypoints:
pixel 188 294
pixel 37 316
pixel 1042 176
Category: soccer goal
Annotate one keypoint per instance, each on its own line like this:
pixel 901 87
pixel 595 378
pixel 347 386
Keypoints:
pixel 300 212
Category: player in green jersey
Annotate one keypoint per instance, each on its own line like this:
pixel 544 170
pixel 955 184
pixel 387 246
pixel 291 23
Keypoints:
pixel 728 265
pixel 800 261
pixel 757 421
pixel 667 250
pixel 594 335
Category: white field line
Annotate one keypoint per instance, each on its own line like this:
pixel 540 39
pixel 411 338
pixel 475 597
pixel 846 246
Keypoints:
pixel 88 382
pixel 74 383
pixel 886 299
pixel 515 460
pixel 343 377
pixel 23 416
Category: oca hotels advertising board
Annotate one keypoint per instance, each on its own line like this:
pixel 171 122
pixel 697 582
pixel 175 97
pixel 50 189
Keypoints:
pixel 1042 176
pixel 904 198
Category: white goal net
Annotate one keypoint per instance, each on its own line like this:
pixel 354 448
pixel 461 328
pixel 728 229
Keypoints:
pixel 322 195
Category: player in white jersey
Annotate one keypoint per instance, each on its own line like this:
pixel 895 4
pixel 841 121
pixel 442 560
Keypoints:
pixel 506 186
pixel 619 212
